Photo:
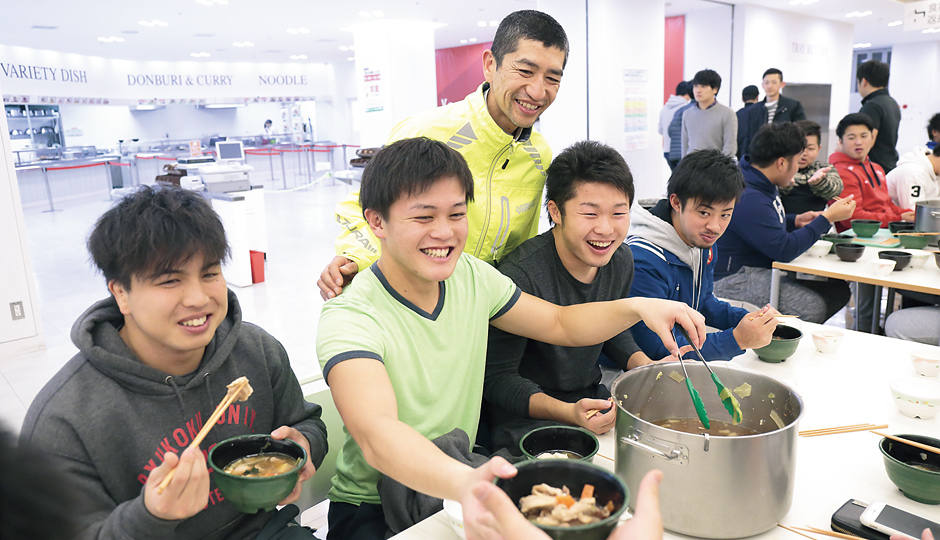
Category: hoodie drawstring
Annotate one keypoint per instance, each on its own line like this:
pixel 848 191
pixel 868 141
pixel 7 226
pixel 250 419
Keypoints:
pixel 208 389
pixel 179 395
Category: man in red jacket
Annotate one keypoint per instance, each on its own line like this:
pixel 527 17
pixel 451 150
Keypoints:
pixel 866 180
pixel 863 177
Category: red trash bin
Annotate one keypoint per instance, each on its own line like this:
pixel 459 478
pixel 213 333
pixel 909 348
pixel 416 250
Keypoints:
pixel 257 266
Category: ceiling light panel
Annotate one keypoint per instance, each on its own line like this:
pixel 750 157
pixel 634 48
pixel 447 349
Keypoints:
pixel 111 39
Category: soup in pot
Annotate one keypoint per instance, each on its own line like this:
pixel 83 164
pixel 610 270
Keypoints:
pixel 694 425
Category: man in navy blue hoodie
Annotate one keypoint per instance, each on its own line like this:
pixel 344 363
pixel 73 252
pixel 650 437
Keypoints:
pixel 761 233
pixel 674 255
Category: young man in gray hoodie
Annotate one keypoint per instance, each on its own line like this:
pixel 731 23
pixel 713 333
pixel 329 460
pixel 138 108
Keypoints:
pixel 153 363
pixel 674 255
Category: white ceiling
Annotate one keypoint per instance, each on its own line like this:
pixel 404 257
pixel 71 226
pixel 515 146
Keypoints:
pixel 193 27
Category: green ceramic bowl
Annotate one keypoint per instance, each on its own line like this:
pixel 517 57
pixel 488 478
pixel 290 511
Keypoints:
pixel 784 343
pixel 914 242
pixel 559 439
pixel 865 228
pixel 608 487
pixel 915 472
pixel 248 494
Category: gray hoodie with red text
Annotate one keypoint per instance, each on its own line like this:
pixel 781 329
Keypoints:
pixel 108 419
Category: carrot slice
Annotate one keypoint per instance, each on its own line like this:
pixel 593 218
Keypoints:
pixel 565 499
pixel 587 491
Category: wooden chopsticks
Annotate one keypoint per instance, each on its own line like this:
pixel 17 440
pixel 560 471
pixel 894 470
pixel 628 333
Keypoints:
pixel 915 444
pixel 238 389
pixel 792 530
pixel 828 533
pixel 840 429
pixel 915 233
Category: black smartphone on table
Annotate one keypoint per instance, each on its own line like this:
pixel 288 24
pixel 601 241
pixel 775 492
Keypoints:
pixel 878 521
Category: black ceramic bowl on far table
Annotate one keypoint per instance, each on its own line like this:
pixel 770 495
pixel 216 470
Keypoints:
pixel 901 258
pixel 849 252
pixel 837 239
pixel 573 474
pixel 900 226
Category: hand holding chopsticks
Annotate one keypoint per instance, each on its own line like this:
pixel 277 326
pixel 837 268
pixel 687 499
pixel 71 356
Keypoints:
pixel 239 390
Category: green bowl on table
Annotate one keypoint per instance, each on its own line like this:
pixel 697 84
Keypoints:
pixel 865 228
pixel 915 471
pixel 548 441
pixel 782 345
pixel 910 241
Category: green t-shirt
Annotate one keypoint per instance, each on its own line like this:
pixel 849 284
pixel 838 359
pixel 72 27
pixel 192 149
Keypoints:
pixel 435 361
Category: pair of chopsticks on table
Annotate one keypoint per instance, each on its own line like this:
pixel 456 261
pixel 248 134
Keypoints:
pixel 871 428
pixel 818 531
pixel 775 316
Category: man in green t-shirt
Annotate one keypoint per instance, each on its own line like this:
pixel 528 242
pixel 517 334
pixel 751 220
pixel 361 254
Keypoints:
pixel 403 349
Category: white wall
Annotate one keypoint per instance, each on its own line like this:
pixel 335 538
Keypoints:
pixel 16 270
pixel 708 34
pixel 806 49
pixel 915 84
pixel 565 122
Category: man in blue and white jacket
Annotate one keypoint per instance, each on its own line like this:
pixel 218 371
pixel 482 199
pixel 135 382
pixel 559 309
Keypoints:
pixel 674 255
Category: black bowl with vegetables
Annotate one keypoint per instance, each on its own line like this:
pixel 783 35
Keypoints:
pixel 609 492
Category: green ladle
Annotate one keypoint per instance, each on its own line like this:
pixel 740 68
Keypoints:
pixel 727 398
pixel 696 399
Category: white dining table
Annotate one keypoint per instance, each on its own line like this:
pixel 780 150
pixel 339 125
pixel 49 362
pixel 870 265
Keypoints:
pixel 848 387
pixel 925 279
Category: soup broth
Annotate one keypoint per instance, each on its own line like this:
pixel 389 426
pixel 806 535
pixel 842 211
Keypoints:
pixel 694 425
pixel 261 465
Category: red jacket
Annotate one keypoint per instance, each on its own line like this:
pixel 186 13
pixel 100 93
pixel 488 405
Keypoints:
pixel 866 180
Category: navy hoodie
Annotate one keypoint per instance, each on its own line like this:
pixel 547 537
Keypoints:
pixel 760 233
pixel 108 419
pixel 668 268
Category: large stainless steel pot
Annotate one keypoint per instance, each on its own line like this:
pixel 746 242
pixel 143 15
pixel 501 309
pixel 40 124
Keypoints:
pixel 927 217
pixel 714 487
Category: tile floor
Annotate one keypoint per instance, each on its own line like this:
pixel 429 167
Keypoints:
pixel 301 231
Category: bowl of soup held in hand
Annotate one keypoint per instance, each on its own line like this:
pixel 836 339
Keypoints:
pixel 256 472
pixel 567 498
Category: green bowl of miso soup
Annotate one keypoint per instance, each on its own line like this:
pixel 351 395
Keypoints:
pixel 256 472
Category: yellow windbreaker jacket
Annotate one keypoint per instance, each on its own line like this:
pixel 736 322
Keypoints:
pixel 508 180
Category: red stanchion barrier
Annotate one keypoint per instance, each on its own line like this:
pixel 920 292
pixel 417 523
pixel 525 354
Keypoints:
pixel 87 165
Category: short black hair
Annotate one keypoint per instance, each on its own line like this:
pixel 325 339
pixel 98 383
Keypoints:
pixel 707 77
pixel 707 177
pixel 410 167
pixel 684 88
pixel 854 119
pixel 749 92
pixel 875 72
pixel 775 141
pixel 772 71
pixel 528 24
pixel 933 125
pixel 266 122
pixel 586 161
pixel 152 230
pixel 811 128
pixel 936 150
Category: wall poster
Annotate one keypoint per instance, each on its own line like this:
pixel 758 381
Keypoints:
pixel 635 108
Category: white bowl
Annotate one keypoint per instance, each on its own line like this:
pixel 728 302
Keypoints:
pixel 882 267
pixel 916 397
pixel 919 257
pixel 926 361
pixel 454 511
pixel 827 340
pixel 820 248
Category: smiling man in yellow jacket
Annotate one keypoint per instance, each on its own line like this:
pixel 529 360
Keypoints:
pixel 492 129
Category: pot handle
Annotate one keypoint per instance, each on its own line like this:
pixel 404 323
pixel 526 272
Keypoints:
pixel 935 214
pixel 675 454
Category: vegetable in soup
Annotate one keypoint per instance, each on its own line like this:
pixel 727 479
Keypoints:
pixel 556 507
pixel 261 465
pixel 694 425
